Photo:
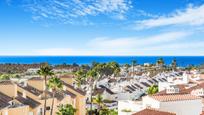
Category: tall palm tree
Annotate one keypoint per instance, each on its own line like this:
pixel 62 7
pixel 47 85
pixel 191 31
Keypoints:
pixel 174 64
pixel 133 66
pixel 92 76
pixel 99 100
pixel 45 71
pixel 160 62
pixel 80 77
pixel 55 85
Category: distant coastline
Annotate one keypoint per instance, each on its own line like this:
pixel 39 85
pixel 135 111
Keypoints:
pixel 181 60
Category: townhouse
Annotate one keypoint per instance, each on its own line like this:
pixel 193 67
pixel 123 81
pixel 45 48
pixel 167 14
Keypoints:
pixel 28 97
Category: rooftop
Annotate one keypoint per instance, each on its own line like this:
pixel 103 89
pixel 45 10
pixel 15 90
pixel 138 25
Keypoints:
pixel 4 100
pixel 28 101
pixel 149 111
pixel 73 88
pixel 31 89
pixel 6 82
pixel 36 78
pixel 67 76
pixel 174 97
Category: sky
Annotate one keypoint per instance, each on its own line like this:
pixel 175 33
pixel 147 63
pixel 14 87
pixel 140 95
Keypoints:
pixel 102 27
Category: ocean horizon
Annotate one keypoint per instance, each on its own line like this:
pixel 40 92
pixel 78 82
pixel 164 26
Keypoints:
pixel 53 60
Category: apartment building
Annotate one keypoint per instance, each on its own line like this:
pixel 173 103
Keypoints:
pixel 27 98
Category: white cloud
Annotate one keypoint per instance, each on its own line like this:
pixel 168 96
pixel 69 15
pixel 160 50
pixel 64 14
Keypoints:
pixel 136 42
pixel 71 11
pixel 191 16
pixel 169 43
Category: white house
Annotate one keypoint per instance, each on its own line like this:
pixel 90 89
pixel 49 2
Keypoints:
pixel 185 104
pixel 127 107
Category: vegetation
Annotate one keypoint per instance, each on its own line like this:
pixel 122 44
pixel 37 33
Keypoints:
pixel 99 100
pixel 55 85
pixel 45 71
pixel 160 62
pixel 126 110
pixel 80 77
pixel 108 112
pixel 191 67
pixel 102 109
pixel 92 76
pixel 22 68
pixel 174 64
pixel 152 90
pixel 66 110
pixel 8 76
pixel 134 62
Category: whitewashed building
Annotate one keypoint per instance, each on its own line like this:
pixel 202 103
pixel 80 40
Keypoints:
pixel 185 104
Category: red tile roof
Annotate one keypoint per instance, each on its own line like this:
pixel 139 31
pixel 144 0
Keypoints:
pixel 174 97
pixel 149 111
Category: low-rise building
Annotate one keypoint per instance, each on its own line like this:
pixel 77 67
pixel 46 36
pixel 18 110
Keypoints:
pixel 28 97
pixel 181 104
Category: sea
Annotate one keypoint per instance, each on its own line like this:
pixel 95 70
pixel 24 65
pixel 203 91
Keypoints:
pixel 54 60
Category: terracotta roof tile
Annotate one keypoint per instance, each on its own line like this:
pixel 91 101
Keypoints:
pixel 174 97
pixel 153 112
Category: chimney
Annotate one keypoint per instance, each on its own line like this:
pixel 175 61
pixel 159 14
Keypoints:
pixel 24 94
pixel 25 83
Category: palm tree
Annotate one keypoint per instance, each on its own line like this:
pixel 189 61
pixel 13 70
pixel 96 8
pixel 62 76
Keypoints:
pixel 66 110
pixel 133 65
pixel 99 100
pixel 116 68
pixel 174 64
pixel 55 85
pixel 45 71
pixel 92 76
pixel 80 77
pixel 160 62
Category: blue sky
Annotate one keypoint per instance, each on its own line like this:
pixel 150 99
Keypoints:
pixel 102 27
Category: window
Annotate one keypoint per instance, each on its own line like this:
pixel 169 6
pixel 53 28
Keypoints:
pixel 48 108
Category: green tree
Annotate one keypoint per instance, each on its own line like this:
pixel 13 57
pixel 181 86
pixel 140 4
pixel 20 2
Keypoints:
pixel 160 62
pixel 66 110
pixel 152 90
pixel 55 85
pixel 134 62
pixel 45 71
pixel 115 68
pixel 127 66
pixel 107 111
pixel 80 77
pixel 99 101
pixel 92 76
pixel 174 64
pixel 4 77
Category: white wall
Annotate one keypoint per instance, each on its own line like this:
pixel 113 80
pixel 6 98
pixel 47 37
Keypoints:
pixel 129 105
pixel 150 102
pixel 187 107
